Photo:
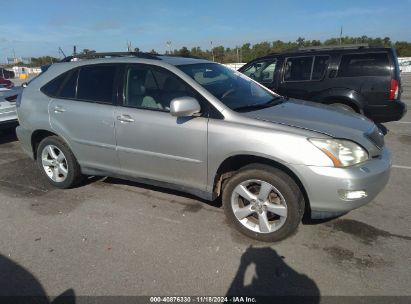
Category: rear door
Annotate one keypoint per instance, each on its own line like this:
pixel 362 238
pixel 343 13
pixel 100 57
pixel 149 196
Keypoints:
pixel 303 76
pixel 150 142
pixel 82 111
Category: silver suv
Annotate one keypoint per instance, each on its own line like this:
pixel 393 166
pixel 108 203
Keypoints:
pixel 199 127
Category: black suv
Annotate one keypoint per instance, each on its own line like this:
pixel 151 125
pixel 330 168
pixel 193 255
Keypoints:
pixel 356 78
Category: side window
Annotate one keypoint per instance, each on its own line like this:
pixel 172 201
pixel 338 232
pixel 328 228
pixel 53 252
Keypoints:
pixel 371 64
pixel 320 66
pixel 298 68
pixel 96 83
pixel 52 87
pixel 262 71
pixel 153 88
pixel 69 87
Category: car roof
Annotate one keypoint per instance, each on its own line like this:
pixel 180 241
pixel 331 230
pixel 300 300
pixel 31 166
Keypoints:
pixel 320 51
pixel 175 60
pixel 132 56
pixel 158 60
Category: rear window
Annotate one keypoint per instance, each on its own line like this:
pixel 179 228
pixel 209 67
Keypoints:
pixel 320 66
pixel 305 68
pixel 298 68
pixel 96 83
pixel 69 86
pixel 370 64
pixel 52 88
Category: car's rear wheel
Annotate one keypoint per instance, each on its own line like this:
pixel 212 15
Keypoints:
pixel 263 203
pixel 57 163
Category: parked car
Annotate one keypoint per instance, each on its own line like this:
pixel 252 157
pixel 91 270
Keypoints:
pixel 199 127
pixel 8 115
pixel 6 73
pixel 355 78
pixel 5 83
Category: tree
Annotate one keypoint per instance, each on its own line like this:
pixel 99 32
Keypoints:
pixel 87 52
pixel 248 52
pixel 219 53
pixel 184 52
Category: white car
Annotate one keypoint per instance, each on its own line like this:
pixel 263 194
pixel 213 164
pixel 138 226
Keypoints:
pixel 8 115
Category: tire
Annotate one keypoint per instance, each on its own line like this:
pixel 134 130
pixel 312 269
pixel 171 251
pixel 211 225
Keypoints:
pixel 344 107
pixel 57 163
pixel 284 197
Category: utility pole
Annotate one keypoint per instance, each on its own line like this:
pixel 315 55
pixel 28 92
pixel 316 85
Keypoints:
pixel 212 50
pixel 74 51
pixel 168 43
pixel 341 32
pixel 238 56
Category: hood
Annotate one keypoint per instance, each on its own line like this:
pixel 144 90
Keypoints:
pixel 318 118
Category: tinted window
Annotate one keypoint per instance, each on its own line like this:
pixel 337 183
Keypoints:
pixel 96 83
pixel 153 88
pixel 262 71
pixel 320 66
pixel 69 87
pixel 371 64
pixel 298 68
pixel 53 87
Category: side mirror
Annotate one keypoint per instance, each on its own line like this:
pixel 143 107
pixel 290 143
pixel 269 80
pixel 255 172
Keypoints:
pixel 184 106
pixel 24 84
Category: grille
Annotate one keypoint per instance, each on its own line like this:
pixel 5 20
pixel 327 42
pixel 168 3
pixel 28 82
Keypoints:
pixel 377 137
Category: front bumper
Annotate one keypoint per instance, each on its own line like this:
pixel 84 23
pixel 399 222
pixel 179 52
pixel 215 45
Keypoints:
pixel 323 183
pixel 388 111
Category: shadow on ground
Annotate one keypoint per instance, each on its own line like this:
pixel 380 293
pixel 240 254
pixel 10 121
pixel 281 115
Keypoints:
pixel 18 285
pixel 7 136
pixel 263 272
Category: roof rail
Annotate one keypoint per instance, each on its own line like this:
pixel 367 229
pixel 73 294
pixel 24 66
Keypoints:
pixel 110 54
pixel 334 47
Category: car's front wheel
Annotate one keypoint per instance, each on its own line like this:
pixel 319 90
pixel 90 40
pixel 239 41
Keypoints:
pixel 57 163
pixel 263 203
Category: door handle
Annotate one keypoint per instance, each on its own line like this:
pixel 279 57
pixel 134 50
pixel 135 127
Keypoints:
pixel 59 109
pixel 125 118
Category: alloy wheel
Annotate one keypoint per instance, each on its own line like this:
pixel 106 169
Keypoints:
pixel 259 206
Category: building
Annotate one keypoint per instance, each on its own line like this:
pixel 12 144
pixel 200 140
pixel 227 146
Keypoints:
pixel 15 60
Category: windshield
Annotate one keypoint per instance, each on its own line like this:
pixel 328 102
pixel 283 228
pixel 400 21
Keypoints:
pixel 232 88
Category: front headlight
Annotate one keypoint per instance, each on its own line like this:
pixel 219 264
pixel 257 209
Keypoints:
pixel 343 153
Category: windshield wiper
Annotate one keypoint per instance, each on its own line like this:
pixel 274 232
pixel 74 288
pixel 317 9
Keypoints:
pixel 273 102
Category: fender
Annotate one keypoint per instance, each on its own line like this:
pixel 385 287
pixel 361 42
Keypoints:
pixel 341 94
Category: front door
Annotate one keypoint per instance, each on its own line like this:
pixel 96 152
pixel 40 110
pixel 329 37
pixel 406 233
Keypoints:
pixel 150 142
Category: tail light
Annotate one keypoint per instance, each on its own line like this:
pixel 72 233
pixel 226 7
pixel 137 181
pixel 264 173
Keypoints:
pixel 11 98
pixel 394 88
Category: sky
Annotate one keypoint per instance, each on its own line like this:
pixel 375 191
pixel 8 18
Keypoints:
pixel 40 27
